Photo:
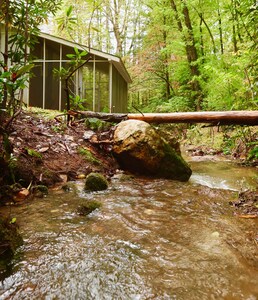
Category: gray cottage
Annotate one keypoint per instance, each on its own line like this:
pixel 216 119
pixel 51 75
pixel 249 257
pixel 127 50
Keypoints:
pixel 102 83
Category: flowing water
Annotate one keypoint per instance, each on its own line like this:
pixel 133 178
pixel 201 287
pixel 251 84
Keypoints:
pixel 151 239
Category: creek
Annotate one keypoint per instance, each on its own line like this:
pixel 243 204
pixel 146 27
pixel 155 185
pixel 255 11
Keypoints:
pixel 151 239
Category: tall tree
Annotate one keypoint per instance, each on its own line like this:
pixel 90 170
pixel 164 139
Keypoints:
pixel 184 25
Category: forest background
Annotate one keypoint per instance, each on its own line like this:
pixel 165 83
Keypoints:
pixel 183 55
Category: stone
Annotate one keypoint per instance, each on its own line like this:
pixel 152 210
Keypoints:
pixel 95 182
pixel 86 208
pixel 80 176
pixel 140 149
pixel 10 240
pixel 22 194
pixel 40 190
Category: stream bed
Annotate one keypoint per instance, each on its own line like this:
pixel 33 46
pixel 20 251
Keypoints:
pixel 151 239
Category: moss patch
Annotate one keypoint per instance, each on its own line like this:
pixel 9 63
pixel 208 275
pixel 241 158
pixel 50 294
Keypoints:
pixel 87 154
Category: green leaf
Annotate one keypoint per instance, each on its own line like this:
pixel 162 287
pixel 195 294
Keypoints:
pixel 76 51
pixel 95 29
pixel 24 69
pixel 69 11
pixel 13 221
pixel 83 53
pixel 71 56
pixel 34 153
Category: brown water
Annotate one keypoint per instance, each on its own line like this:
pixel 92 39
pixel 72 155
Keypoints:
pixel 151 239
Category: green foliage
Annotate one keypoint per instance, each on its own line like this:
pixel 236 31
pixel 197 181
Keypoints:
pixel 77 60
pixel 227 55
pixel 253 153
pixel 77 102
pixel 67 20
pixel 176 104
pixel 240 142
pixel 225 85
pixel 21 20
pixel 60 128
pixel 96 124
pixel 7 157
pixel 34 153
pixel 13 81
pixel 10 240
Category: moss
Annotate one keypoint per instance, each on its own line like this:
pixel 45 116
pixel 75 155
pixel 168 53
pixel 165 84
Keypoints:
pixel 173 165
pixel 87 154
pixel 10 240
pixel 86 208
pixel 95 182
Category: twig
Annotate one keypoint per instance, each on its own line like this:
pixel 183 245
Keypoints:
pixel 138 110
pixel 12 118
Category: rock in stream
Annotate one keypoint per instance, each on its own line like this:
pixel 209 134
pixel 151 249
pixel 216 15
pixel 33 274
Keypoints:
pixel 140 149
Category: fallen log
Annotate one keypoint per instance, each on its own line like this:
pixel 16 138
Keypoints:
pixel 109 117
pixel 212 117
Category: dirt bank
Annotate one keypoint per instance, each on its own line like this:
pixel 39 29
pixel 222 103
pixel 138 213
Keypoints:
pixel 45 151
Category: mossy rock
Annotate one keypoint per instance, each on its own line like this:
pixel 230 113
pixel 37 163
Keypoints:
pixel 140 149
pixel 10 240
pixel 68 187
pixel 86 208
pixel 40 190
pixel 95 182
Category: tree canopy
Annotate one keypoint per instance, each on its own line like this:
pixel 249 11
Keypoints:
pixel 182 54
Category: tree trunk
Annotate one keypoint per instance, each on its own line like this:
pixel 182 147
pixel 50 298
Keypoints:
pixel 167 77
pixel 220 31
pixel 191 51
pixel 202 20
pixel 234 33
pixel 5 54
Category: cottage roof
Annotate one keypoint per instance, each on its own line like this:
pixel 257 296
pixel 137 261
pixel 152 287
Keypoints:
pixel 116 61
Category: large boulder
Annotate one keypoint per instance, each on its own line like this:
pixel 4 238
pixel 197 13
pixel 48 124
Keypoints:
pixel 140 149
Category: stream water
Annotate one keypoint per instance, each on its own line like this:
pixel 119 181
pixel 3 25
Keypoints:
pixel 151 239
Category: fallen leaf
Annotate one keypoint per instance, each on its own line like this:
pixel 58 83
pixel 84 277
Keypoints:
pixel 44 149
pixel 63 177
pixel 80 176
pixel 13 220
pixel 22 194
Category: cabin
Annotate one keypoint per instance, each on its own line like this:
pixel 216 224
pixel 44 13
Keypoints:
pixel 101 84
